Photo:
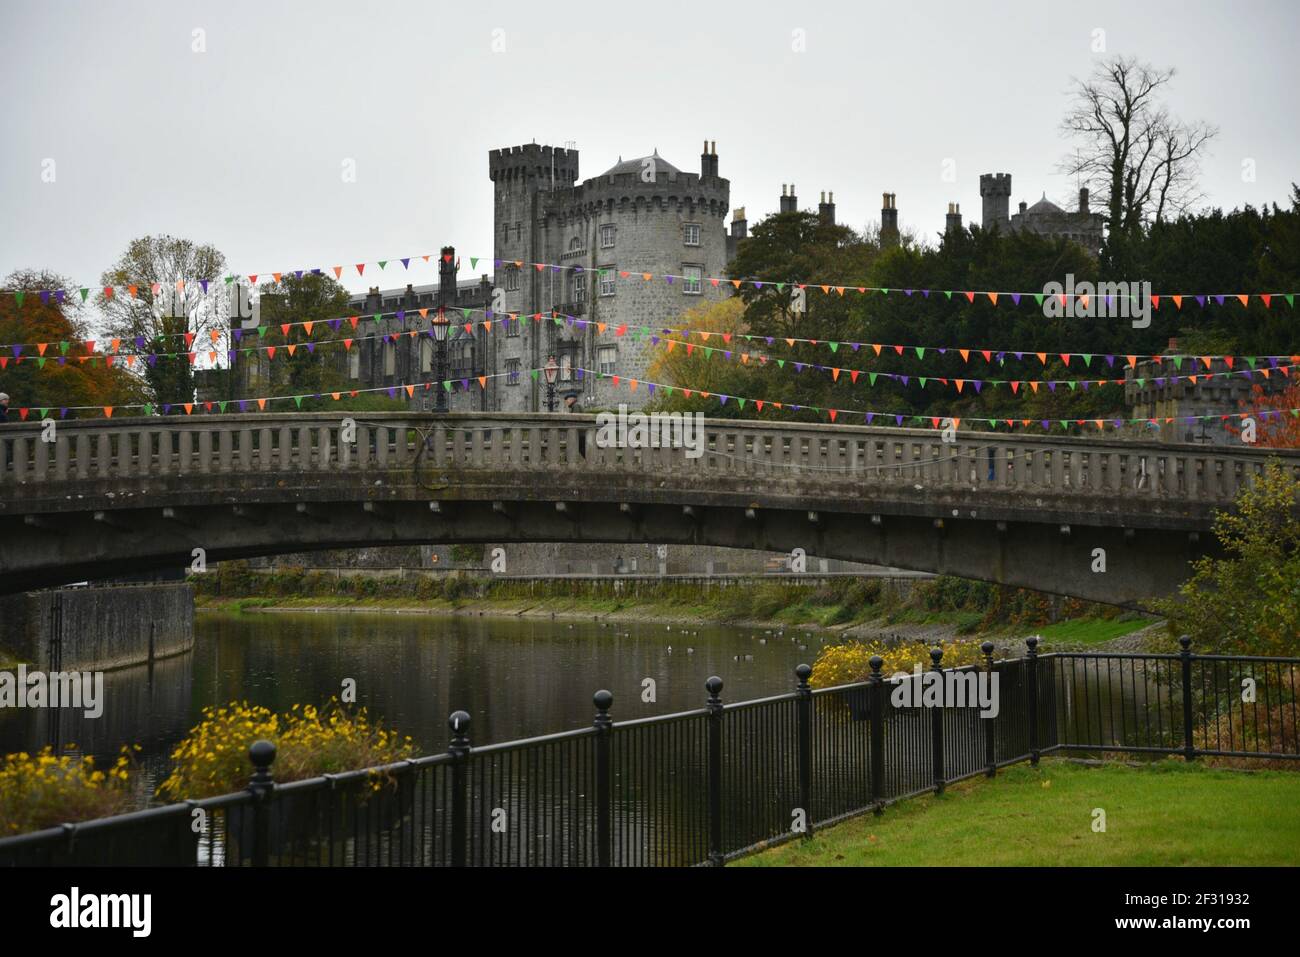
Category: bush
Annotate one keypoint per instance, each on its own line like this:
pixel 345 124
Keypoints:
pixel 43 791
pixel 213 758
pixel 851 661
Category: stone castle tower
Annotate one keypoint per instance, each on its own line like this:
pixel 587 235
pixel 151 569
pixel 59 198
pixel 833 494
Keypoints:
pixel 642 215
pixel 995 191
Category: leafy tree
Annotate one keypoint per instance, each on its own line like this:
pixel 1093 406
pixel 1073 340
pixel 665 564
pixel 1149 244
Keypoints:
pixel 1248 600
pixel 40 381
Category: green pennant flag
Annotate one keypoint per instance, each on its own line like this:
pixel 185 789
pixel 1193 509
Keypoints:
pixel 1178 363
pixel 20 296
pixel 872 377
pixel 473 262
pixel 780 287
pixel 1251 360
pixel 297 400
pixel 229 280
pixel 40 362
pixel 668 390
pixel 741 402
pixel 916 418
pixel 43 412
pixel 992 423
pixel 559 321
pixel 84 293
pixel 1038 298
pixel 379 317
pixel 947 293
pixel 148 408
pixel 1290 299
pixel 923 380
pixel 780 363
pixel 835 346
pixel 885 291
pixel 533 375
pixel 708 352
pixel 920 352
pixel 63 347
pixel 464 313
pixel 221 404
pixel 1087 360
pixel 261 332
pixel 383 263
pixel 1070 383
pixel 447 382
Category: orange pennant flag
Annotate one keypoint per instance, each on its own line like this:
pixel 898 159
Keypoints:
pixel 307 326
pixel 1042 357
pixel 1178 302
pixel 188 407
pixel 1132 361
pixel 277 276
pixel 291 347
pixel 482 382
pixel 338 272
pixel 965 355
pixel 1033 384
pixel 1245 300
pixel 835 375
pixel 261 404
pixel 993 298
pixel 335 395
pixel 410 391
pixel 876 347
pixel 108 411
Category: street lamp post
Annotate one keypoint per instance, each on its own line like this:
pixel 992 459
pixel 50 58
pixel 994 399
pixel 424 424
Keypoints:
pixel 440 325
pixel 551 371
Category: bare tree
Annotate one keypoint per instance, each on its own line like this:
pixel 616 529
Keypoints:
pixel 190 299
pixel 1142 161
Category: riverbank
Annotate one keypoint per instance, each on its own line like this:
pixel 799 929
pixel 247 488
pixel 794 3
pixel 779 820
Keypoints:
pixel 826 610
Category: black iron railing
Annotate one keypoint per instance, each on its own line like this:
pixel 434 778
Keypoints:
pixel 704 786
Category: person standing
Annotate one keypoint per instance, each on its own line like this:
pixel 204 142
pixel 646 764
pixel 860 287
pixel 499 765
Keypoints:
pixel 4 407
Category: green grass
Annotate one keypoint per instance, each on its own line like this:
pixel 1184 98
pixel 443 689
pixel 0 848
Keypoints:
pixel 1091 631
pixel 1166 814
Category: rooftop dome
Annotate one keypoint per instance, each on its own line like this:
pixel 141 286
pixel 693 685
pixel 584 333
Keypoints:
pixel 1044 207
pixel 661 165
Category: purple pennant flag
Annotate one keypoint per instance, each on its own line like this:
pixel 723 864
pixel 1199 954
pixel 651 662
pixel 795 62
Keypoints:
pixel 727 353
pixel 654 340
pixel 1272 361
pixel 1201 300
pixel 903 379
pixel 798 366
pixel 898 420
pixel 317 396
pixel 203 283
pixel 758 285
pixel 979 384
pixel 649 385
pixel 392 392
pixel 1002 358
pixel 297 274
pixel 669 279
pixel 230 356
pixel 1110 361
pixel 497 263
pixel 1191 420
pixel 943 351
pixel 167 408
pixel 311 348
pixel 58 296
pixel 870 416
pixel 406 263
pixel 63 360
pixel 1015 297
pixel 1219 299
pixel 17 351
pixel 152 359
pixel 1245 373
pixel 243 405
pixel 555 268
pixel 1085 385
pixel 315 272
pixel 63 412
pixel 45 296
pixel 238 333
pixel 1051 385
pixel 926 293
pixel 908 292
pixel 401 316
pixel 335 323
pixel 1161 380
pixel 794 408
pixel 855 346
pixel 1019 355
pixel 1047 424
pixel 580 373
pixel 722 399
pixel 769 340
pixel 464 384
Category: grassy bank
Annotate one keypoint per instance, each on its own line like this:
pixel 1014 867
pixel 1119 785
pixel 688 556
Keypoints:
pixel 955 606
pixel 1166 814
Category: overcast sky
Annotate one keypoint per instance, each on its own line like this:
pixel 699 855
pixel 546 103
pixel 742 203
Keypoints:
pixel 244 142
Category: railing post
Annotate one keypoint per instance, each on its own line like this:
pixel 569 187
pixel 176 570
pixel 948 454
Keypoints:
pixel 805 705
pixel 459 751
pixel 604 792
pixel 1032 642
pixel 1189 747
pixel 262 754
pixel 990 737
pixel 936 722
pixel 876 701
pixel 714 706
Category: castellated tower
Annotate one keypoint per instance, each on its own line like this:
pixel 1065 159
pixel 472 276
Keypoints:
pixel 995 191
pixel 641 215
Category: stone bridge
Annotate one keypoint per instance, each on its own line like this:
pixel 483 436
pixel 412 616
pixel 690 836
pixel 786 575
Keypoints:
pixel 106 496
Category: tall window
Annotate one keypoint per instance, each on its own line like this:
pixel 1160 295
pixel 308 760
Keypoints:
pixel 607 359
pixel 426 355
pixel 691 277
pixel 579 287
pixel 512 372
pixel 692 232
pixel 512 279
pixel 607 237
pixel 566 367
pixel 512 328
pixel 390 358
pixel 608 274
pixel 354 362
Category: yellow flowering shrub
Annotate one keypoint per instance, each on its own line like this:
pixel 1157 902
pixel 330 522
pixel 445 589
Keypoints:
pixel 213 758
pixel 846 663
pixel 45 790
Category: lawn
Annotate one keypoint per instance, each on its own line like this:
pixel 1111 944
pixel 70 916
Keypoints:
pixel 1166 814
pixel 1090 631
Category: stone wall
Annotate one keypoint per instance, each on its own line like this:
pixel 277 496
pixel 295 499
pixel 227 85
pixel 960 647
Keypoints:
pixel 102 628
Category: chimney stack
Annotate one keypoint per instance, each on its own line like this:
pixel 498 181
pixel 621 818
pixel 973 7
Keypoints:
pixel 953 225
pixel 1083 200
pixel 889 221
pixel 709 160
pixel 789 204
pixel 826 209
pixel 739 225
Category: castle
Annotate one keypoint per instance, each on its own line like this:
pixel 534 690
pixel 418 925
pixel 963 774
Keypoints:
pixel 593 239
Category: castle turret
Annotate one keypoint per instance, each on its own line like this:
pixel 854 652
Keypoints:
pixel 739 225
pixel 889 221
pixel 1083 200
pixel 789 204
pixel 953 225
pixel 995 191
pixel 826 209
